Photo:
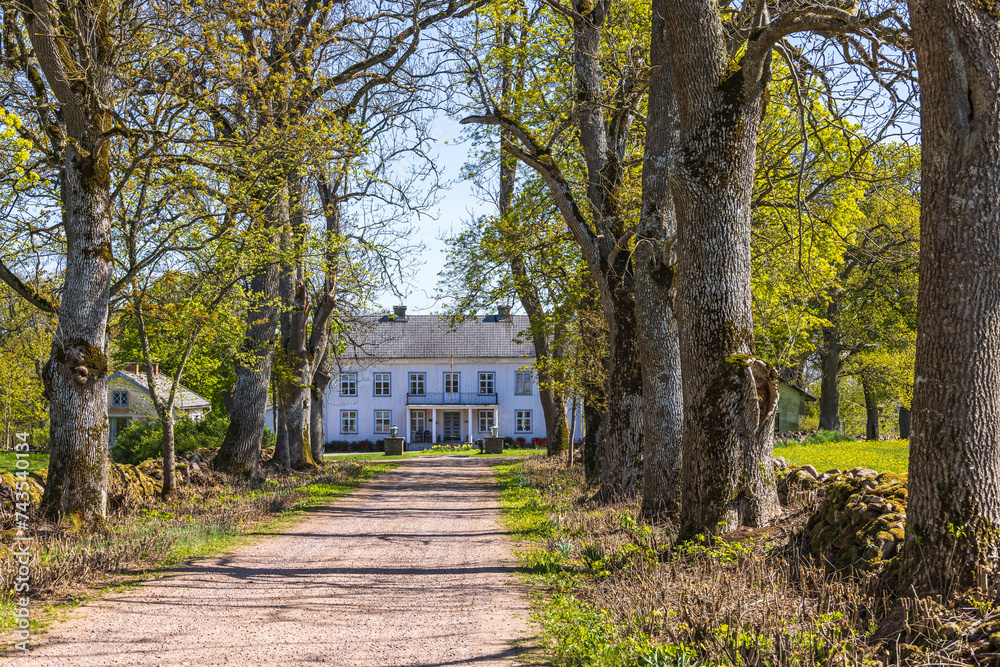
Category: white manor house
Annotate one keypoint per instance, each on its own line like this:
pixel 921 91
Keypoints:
pixel 435 382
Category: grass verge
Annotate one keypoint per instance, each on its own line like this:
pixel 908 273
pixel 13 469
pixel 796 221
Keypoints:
pixel 609 589
pixel 69 568
pixel 573 631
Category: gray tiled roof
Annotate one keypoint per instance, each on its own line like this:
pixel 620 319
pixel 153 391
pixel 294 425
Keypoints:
pixel 185 398
pixel 433 337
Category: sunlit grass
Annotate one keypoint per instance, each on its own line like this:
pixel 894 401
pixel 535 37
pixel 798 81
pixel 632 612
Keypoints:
pixel 880 456
pixel 36 461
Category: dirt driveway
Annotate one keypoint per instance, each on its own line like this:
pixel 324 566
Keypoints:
pixel 410 570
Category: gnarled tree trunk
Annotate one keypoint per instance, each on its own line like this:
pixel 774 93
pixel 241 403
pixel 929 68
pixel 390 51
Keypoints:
pixel 76 374
pixel 729 395
pixel 317 422
pixel 953 515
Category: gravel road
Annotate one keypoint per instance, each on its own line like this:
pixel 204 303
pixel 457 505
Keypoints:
pixel 411 569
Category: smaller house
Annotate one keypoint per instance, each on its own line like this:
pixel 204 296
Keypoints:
pixel 128 398
pixel 791 407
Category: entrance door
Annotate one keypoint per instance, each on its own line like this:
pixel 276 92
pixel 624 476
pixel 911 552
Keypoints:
pixel 452 426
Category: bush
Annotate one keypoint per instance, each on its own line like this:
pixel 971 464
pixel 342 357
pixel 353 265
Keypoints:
pixel 143 440
pixel 820 437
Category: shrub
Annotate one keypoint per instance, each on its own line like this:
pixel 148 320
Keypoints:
pixel 827 436
pixel 144 439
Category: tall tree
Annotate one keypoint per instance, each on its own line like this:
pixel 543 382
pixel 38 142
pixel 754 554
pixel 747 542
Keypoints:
pixel 301 70
pixel 954 481
pixel 655 291
pixel 68 62
pixel 730 394
pixel 603 115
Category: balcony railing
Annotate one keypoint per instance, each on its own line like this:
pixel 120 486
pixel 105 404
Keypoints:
pixel 451 398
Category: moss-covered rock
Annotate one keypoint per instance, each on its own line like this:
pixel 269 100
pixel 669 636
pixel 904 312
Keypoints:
pixel 861 521
pixel 126 485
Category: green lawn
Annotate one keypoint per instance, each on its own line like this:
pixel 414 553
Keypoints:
pixel 885 455
pixel 378 456
pixel 35 461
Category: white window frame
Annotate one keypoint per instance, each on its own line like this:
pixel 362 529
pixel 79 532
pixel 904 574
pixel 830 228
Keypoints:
pixel 348 421
pixel 418 379
pixel 487 380
pixel 522 383
pixel 487 419
pixel 452 383
pixel 383 382
pixel 418 421
pixel 383 419
pixel 348 384
pixel 522 421
pixel 116 399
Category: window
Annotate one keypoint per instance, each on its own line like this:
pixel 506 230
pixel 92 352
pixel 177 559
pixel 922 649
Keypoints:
pixel 117 425
pixel 383 420
pixel 417 385
pixel 382 385
pixel 522 421
pixel 451 383
pixel 523 386
pixel 487 383
pixel 485 421
pixel 348 384
pixel 418 421
pixel 348 421
pixel 119 398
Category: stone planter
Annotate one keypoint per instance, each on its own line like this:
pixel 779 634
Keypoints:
pixel 494 446
pixel 393 446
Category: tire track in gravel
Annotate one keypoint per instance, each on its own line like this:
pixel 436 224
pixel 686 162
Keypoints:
pixel 410 570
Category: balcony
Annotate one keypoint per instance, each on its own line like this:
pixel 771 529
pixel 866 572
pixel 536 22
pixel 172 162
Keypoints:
pixel 449 398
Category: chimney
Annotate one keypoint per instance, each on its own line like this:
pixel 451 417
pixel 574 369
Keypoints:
pixel 139 369
pixel 503 312
pixel 399 312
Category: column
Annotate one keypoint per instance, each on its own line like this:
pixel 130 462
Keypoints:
pixel 408 438
pixel 470 425
pixel 434 426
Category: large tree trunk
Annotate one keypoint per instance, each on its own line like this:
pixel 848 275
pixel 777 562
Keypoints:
pixel 830 364
pixel 904 422
pixel 321 380
pixel 953 515
pixel 593 421
pixel 240 450
pixel 76 374
pixel 296 377
pixel 79 68
pixel 871 413
pixel 729 395
pixel 655 291
pixel 620 466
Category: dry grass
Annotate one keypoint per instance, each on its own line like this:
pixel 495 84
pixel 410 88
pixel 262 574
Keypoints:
pixel 755 598
pixel 147 534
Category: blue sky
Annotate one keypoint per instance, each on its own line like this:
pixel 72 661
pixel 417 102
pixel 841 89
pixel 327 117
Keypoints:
pixel 458 204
